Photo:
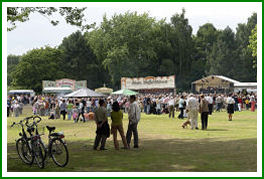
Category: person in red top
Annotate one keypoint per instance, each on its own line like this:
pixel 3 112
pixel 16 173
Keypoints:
pixel 240 103
pixel 253 102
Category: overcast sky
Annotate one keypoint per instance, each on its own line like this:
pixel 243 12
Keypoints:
pixel 38 32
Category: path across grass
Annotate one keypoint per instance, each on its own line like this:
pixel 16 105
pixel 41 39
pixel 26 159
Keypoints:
pixel 164 146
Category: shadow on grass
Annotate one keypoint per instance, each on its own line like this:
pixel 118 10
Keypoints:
pixel 216 130
pixel 206 155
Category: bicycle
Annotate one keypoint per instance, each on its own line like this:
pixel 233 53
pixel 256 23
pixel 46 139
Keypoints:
pixel 30 148
pixel 57 148
pixel 22 145
pixel 38 147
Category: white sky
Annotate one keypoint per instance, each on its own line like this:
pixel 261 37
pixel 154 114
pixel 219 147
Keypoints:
pixel 38 32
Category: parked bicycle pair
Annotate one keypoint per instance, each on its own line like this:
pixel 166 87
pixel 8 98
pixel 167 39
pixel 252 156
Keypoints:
pixel 31 149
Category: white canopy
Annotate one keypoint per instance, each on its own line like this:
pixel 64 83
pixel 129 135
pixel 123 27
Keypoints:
pixel 57 90
pixel 21 92
pixel 84 92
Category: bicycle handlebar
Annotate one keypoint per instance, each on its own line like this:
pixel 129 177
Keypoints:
pixel 38 118
pixel 27 119
pixel 34 123
pixel 14 123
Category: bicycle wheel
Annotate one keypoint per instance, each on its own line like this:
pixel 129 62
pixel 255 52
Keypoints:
pixel 59 152
pixel 39 153
pixel 43 149
pixel 24 151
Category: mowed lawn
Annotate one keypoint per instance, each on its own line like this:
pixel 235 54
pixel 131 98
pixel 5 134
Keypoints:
pixel 164 146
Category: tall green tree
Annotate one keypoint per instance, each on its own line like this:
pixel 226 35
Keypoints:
pixel 79 61
pixel 204 40
pixel 253 45
pixel 180 37
pixel 37 65
pixel 12 62
pixel 245 69
pixel 222 59
pixel 124 44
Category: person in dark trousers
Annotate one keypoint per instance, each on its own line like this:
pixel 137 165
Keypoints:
pixel 148 105
pixel 181 107
pixel 103 129
pixel 134 117
pixel 8 107
pixel 81 110
pixel 203 109
pixel 63 108
pixel 230 106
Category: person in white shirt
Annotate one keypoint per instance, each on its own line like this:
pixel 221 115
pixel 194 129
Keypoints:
pixel 218 102
pixel 133 117
pixel 89 105
pixel 193 109
pixel 181 107
pixel 16 108
pixel 171 104
pixel 230 106
pixel 209 99
pixel 81 110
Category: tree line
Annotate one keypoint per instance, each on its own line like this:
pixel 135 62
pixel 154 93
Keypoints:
pixel 137 45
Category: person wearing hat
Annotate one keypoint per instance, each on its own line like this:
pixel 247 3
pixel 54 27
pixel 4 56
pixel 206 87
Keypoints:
pixel 203 109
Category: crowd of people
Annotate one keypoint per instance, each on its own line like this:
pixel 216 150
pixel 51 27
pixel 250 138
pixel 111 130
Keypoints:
pixel 83 109
pixel 158 104
pixel 53 106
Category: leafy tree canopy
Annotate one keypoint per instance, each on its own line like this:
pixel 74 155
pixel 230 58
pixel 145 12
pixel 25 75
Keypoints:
pixel 72 15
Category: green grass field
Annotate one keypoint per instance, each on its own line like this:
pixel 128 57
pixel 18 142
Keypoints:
pixel 164 146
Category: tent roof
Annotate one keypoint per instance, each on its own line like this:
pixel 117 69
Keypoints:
pixel 20 91
pixel 84 92
pixel 246 84
pixel 125 92
pixel 216 76
pixel 104 90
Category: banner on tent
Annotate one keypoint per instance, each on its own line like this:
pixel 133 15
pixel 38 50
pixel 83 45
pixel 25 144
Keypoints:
pixel 74 85
pixel 150 82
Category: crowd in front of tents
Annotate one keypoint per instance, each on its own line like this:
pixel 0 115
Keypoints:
pixel 82 109
pixel 100 109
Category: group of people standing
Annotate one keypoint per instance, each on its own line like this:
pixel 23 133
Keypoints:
pixel 103 129
pixel 194 106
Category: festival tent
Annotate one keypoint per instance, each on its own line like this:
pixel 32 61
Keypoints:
pixel 83 93
pixel 125 92
pixel 104 90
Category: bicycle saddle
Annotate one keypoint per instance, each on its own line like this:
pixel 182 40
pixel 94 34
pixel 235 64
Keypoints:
pixel 57 134
pixel 51 128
